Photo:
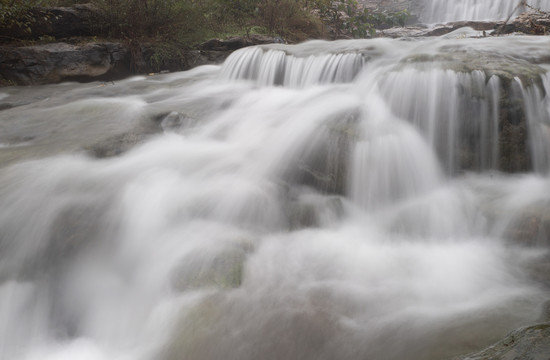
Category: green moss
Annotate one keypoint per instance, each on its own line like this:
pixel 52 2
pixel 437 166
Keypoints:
pixel 223 270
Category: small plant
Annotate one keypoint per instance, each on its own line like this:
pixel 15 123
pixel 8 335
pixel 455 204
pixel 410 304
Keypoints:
pixel 164 55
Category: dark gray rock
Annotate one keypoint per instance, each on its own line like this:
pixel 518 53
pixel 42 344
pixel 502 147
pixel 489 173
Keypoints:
pixel 58 62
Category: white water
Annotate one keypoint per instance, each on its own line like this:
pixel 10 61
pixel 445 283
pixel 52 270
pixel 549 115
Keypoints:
pixel 139 256
pixel 444 11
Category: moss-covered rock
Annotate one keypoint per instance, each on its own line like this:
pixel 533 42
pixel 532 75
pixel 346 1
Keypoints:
pixel 465 60
pixel 323 163
pixel 531 227
pixel 515 75
pixel 215 268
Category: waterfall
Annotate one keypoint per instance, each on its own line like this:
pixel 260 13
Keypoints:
pixel 274 67
pixel 446 11
pixel 365 199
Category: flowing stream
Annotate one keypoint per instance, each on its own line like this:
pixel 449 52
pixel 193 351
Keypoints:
pixel 367 199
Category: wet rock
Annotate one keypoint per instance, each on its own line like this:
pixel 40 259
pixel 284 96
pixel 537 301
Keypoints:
pixel 532 23
pixel 239 42
pixel 116 145
pixel 323 163
pixel 527 343
pixel 194 58
pixel 514 152
pixel 514 74
pixel 531 227
pixel 545 313
pixel 486 27
pixel 176 122
pixel 459 59
pixel 120 143
pixel 191 335
pixel 215 51
pixel 312 211
pixel 58 62
pixel 5 106
pixel 400 32
pixel 264 330
pixel 219 268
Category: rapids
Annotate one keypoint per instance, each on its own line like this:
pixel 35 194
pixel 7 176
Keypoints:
pixel 329 200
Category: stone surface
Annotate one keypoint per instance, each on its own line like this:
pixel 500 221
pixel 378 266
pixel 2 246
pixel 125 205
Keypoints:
pixel 212 268
pixel 528 343
pixel 531 227
pixel 239 42
pixel 58 62
pixel 532 23
pixel 322 164
pixel 486 27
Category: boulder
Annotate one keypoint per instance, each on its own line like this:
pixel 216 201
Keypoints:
pixel 58 62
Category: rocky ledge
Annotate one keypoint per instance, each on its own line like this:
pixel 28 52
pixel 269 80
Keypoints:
pixel 57 62
pixel 531 23
pixel 60 61
pixel 528 343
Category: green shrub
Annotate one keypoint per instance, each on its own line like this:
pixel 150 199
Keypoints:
pixel 15 16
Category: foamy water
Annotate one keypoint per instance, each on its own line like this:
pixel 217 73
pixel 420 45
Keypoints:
pixel 302 202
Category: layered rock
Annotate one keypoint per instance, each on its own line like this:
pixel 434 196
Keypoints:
pixel 60 61
pixel 532 23
pixel 57 62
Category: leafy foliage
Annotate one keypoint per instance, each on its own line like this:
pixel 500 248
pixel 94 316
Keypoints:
pixel 186 22
pixel 14 14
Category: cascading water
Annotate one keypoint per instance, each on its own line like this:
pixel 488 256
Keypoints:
pixel 445 11
pixel 339 200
